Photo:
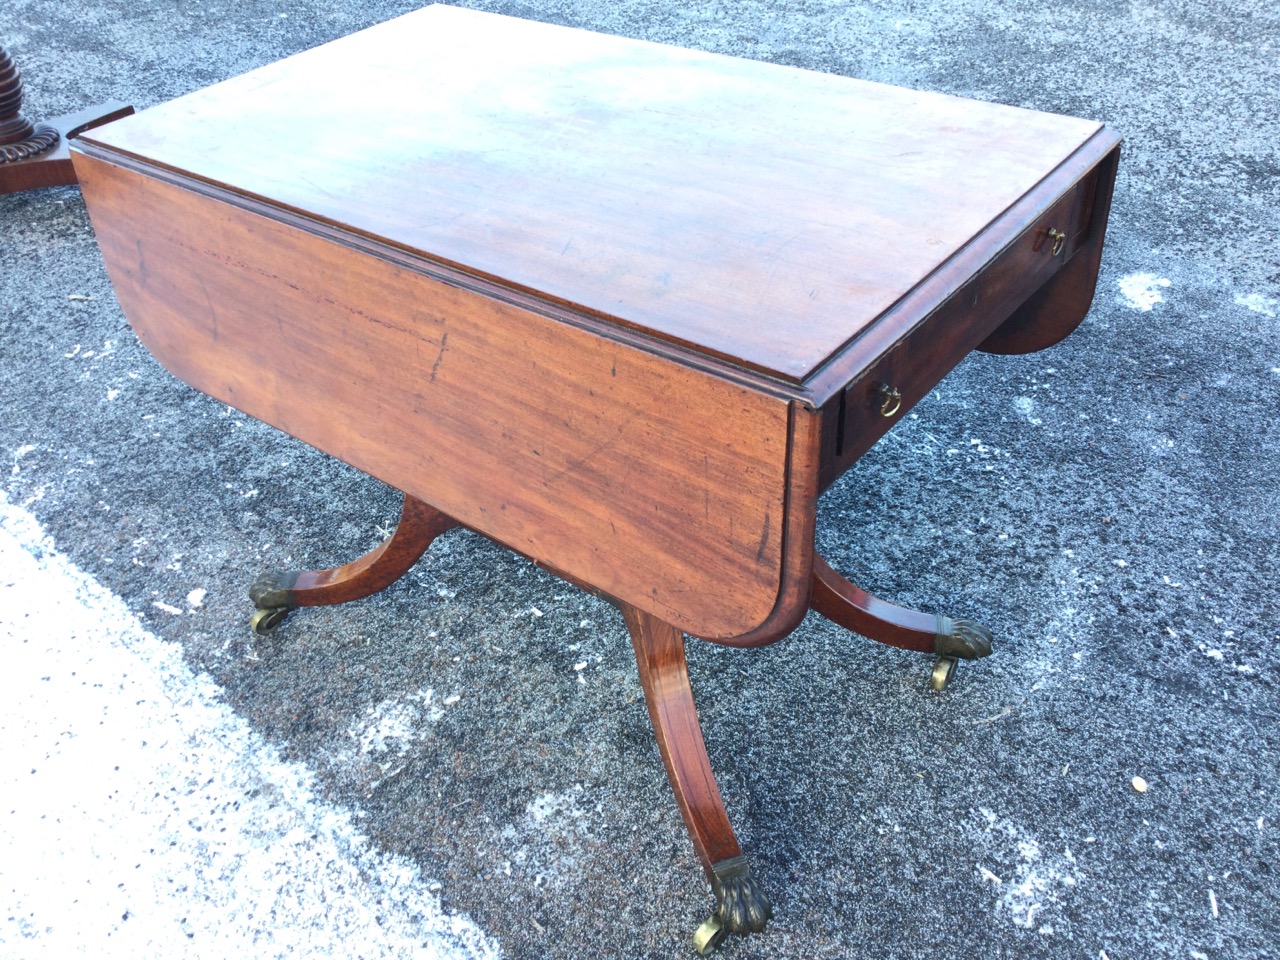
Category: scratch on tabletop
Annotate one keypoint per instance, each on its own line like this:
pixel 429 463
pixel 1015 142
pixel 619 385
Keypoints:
pixel 435 367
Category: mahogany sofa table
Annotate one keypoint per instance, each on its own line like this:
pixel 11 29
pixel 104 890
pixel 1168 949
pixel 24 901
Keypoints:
pixel 624 308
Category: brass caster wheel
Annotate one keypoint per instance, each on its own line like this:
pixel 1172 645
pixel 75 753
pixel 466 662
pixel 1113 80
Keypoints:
pixel 709 935
pixel 267 619
pixel 942 673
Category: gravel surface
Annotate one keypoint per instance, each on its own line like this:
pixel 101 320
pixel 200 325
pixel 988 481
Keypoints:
pixel 1110 507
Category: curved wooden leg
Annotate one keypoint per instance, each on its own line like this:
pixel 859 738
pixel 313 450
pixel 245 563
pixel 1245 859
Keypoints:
pixel 854 609
pixel 275 594
pixel 743 906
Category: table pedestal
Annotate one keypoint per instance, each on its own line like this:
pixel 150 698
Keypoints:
pixel 35 154
pixel 742 906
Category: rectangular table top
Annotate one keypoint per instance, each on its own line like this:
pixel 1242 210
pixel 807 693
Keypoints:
pixel 749 212
pixel 622 307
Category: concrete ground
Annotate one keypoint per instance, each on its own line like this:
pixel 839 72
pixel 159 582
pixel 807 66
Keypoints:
pixel 1110 507
pixel 143 817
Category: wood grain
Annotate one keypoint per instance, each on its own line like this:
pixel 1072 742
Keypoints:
pixel 854 609
pixel 1059 306
pixel 760 213
pixel 662 485
pixel 735 243
pixel 664 674
pixel 805 465
pixel 419 525
pixel 622 308
pixel 914 345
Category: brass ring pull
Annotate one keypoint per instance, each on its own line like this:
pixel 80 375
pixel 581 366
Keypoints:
pixel 1059 239
pixel 890 400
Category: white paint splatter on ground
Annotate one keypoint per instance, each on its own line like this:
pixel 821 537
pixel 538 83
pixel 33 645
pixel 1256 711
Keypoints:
pixel 1141 291
pixel 389 732
pixel 561 808
pixel 143 818
pixel 18 454
pixel 1258 303
pixel 536 844
pixel 1027 407
pixel 1037 879
pixel 390 727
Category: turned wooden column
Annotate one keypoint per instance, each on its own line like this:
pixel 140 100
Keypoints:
pixel 35 154
pixel 19 137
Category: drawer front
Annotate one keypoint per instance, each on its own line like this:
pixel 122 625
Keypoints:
pixel 875 400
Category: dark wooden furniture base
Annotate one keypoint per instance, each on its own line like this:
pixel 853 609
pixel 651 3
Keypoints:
pixel 35 155
pixel 275 594
pixel 742 906
pixel 854 609
pixel 623 308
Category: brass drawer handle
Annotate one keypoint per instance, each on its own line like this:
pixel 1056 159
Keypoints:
pixel 1059 239
pixel 890 400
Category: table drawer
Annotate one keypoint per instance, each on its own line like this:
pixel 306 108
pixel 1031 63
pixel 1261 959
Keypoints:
pixel 878 397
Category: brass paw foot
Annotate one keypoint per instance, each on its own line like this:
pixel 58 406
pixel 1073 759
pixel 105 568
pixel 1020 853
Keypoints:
pixel 962 639
pixel 957 640
pixel 744 907
pixel 272 594
pixel 274 590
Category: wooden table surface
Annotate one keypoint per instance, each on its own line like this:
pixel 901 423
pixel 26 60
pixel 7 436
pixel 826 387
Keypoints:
pixel 754 212
pixel 621 307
